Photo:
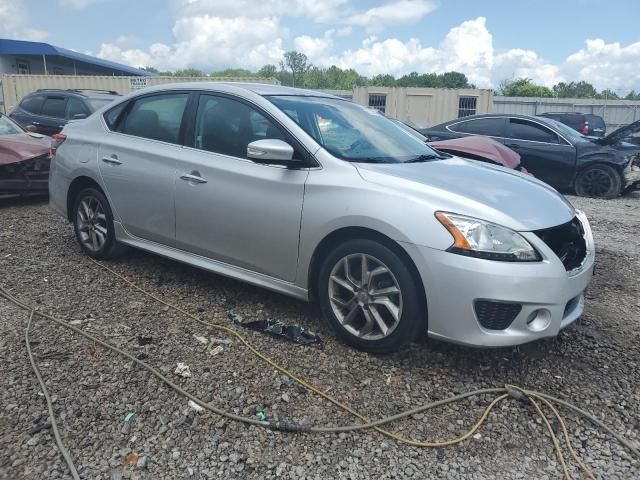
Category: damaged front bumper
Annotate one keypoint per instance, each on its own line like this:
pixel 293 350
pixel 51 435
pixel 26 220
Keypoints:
pixel 27 177
pixel 631 173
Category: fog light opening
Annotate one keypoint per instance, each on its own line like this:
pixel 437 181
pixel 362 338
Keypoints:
pixel 538 320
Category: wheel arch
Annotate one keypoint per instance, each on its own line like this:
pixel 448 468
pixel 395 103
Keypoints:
pixel 77 185
pixel 349 233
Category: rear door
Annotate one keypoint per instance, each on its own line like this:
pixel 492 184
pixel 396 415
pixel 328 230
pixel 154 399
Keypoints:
pixel 138 163
pixel 52 116
pixel 543 152
pixel 229 208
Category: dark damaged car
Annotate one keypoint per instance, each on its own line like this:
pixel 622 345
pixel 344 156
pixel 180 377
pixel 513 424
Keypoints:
pixel 555 153
pixel 24 160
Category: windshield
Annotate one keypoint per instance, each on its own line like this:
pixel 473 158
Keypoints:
pixel 352 132
pixel 566 131
pixel 98 103
pixel 7 127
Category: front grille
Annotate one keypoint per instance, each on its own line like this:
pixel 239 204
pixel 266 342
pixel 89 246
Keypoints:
pixel 567 242
pixel 496 315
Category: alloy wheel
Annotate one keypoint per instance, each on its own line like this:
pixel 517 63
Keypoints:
pixel 365 296
pixel 595 182
pixel 92 223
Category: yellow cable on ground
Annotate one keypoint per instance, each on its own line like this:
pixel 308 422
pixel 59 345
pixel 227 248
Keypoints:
pixel 301 381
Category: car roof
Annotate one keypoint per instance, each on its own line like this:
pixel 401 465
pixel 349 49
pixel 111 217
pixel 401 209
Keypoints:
pixel 262 89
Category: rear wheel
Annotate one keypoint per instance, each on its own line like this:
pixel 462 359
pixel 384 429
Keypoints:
pixel 93 225
pixel 601 181
pixel 369 296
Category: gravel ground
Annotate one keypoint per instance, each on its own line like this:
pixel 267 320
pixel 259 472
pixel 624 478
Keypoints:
pixel 595 363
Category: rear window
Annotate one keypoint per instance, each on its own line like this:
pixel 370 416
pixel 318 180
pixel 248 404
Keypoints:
pixel 98 103
pixel 596 123
pixel 54 107
pixel 32 104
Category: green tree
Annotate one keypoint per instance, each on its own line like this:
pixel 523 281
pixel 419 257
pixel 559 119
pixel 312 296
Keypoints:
pixel 608 94
pixel 297 63
pixel 580 89
pixel 189 72
pixel 523 87
pixel 233 72
pixel 268 71
pixel 632 95
pixel 383 80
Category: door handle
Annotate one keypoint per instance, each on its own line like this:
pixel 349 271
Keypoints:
pixel 35 123
pixel 193 177
pixel 113 160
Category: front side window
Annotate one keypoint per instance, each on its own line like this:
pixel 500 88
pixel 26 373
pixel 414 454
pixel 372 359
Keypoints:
pixel 54 107
pixel 525 130
pixel 491 127
pixel 227 126
pixel 7 127
pixel 156 117
pixel 353 132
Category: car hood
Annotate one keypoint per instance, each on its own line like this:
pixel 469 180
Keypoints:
pixel 482 147
pixel 493 193
pixel 22 146
pixel 620 134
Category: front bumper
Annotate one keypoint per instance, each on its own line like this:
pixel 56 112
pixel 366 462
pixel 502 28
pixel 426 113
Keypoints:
pixel 453 283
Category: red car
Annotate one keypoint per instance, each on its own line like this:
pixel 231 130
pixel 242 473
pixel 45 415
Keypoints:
pixel 24 160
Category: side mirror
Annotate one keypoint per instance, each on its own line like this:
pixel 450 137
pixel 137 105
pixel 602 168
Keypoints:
pixel 270 150
pixel 79 116
pixel 31 128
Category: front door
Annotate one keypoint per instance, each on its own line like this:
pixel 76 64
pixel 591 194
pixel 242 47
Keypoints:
pixel 229 208
pixel 138 165
pixel 542 152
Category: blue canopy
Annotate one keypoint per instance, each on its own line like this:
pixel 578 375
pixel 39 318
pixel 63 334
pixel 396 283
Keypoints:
pixel 20 47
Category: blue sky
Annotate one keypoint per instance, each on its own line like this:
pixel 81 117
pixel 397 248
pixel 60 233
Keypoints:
pixel 489 40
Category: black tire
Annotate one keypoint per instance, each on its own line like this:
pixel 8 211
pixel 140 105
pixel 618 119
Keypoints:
pixel 598 181
pixel 109 248
pixel 412 317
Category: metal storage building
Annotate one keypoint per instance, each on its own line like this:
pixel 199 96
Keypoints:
pixel 37 58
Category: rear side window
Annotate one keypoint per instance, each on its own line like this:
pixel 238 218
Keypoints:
pixel 491 127
pixel 76 107
pixel 112 116
pixel 525 130
pixel 157 117
pixel 32 104
pixel 54 107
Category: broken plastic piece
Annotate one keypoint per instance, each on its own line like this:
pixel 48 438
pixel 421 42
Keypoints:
pixel 182 370
pixel 129 416
pixel 260 414
pixel 293 333
pixel 144 339
pixel 216 350
pixel 195 406
pixel 202 340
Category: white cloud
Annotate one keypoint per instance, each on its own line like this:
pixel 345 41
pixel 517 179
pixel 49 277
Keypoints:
pixel 13 19
pixel 209 43
pixel 315 47
pixel 394 13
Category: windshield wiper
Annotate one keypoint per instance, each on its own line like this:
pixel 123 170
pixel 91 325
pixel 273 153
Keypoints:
pixel 425 158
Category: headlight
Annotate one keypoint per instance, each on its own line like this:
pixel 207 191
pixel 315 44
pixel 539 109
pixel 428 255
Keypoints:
pixel 477 238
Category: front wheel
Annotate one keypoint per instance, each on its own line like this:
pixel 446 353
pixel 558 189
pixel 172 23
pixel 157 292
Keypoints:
pixel 93 225
pixel 369 296
pixel 600 181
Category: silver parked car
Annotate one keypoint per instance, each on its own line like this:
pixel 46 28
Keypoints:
pixel 319 198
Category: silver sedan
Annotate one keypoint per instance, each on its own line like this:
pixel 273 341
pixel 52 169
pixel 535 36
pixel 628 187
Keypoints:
pixel 319 198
